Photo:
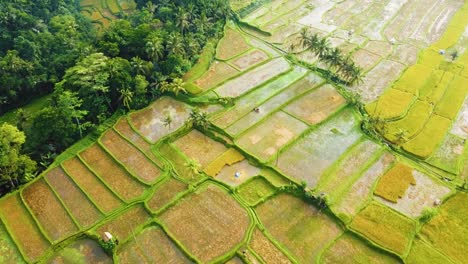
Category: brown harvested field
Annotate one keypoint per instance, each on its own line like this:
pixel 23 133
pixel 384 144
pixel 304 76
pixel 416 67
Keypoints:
pixel 116 177
pixel 378 79
pixel 365 59
pixel 199 147
pixel 85 250
pixel 298 226
pixel 124 128
pixel 231 45
pixel 381 48
pixel 82 209
pixel 217 73
pixel 349 248
pixel 266 138
pixel 22 227
pixel 448 230
pixel 151 246
pixel 267 251
pixel 250 59
pixel 48 210
pixel 406 54
pixel 92 186
pixel 385 227
pixel 419 196
pixel 135 161
pixel 209 223
pixel 150 121
pixel 318 105
pixel 361 190
pixel 165 193
pixel 123 225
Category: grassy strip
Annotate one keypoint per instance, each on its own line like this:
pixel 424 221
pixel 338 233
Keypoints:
pixel 29 110
pixel 255 4
pixel 202 65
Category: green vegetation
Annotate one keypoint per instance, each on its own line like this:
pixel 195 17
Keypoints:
pixel 393 184
pixel 333 57
pixel 385 227
pixel 54 49
pixel 15 168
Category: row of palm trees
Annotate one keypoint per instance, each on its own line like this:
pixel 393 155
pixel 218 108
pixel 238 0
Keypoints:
pixel 343 65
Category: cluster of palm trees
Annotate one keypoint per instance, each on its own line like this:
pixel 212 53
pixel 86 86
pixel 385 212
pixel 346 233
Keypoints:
pixel 343 65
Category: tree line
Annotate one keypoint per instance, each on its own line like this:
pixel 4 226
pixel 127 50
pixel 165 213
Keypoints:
pixel 343 65
pixel 51 48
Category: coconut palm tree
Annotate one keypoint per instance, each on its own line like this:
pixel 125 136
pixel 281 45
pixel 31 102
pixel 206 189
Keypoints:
pixel 322 48
pixel 126 96
pixel 139 65
pixel 154 48
pixel 334 58
pixel 203 22
pixel 200 120
pixel 182 20
pixel 174 44
pixel 304 37
pixel 454 55
pixel 356 75
pixel 176 86
pixel 168 121
pixel 194 166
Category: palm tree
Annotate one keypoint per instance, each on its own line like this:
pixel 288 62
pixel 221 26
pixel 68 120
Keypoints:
pixel 176 86
pixel 322 47
pixel 154 48
pixel 454 55
pixel 304 37
pixel 194 166
pixel 200 120
pixel 138 65
pixel 151 7
pixel 203 22
pixel 182 20
pixel 334 57
pixel 356 75
pixel 174 44
pixel 168 121
pixel 126 97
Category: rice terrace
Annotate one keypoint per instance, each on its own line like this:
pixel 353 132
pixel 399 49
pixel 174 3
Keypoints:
pixel 313 131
